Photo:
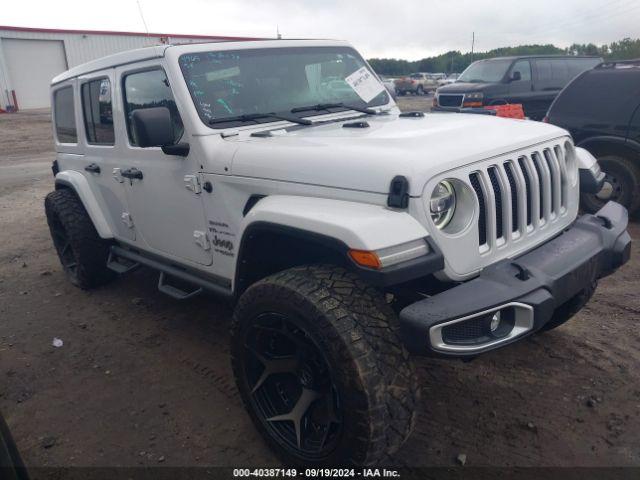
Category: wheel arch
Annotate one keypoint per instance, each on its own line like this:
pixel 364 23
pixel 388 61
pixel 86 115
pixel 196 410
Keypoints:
pixel 77 183
pixel 264 244
pixel 611 145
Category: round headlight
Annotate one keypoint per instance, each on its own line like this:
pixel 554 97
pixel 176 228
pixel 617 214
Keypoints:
pixel 442 204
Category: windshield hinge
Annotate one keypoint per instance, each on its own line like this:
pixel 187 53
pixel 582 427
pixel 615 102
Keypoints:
pixel 202 240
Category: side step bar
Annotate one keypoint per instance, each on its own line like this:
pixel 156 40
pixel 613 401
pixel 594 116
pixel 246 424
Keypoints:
pixel 119 253
pixel 116 264
pixel 175 292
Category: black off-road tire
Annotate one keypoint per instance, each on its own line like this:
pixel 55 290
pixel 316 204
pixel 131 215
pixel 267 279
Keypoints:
pixel 83 254
pixel 624 175
pixel 357 333
pixel 420 90
pixel 11 464
pixel 567 310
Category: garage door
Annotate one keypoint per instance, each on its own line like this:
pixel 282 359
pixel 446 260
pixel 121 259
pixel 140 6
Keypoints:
pixel 31 65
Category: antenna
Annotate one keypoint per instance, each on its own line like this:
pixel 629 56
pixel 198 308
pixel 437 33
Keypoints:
pixel 142 17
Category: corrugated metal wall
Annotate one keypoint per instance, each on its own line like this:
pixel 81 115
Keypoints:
pixel 79 48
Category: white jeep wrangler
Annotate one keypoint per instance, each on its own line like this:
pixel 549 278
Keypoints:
pixel 282 176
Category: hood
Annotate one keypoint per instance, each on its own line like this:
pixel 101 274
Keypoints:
pixel 466 87
pixel 367 159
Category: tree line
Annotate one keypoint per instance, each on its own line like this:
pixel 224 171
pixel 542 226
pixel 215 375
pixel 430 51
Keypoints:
pixel 456 61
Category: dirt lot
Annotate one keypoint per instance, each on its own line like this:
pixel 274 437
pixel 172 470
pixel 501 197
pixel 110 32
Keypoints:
pixel 145 380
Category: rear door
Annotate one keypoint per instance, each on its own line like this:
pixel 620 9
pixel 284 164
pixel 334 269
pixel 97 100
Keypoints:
pixel 548 80
pixel 168 217
pixel 101 153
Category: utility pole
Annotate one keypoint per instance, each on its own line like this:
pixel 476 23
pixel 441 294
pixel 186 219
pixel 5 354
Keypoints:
pixel 473 43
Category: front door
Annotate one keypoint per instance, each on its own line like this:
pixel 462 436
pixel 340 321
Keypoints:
pixel 521 91
pixel 168 217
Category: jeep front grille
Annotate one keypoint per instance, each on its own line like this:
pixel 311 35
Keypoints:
pixel 519 195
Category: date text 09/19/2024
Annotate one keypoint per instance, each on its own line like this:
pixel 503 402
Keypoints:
pixel 316 473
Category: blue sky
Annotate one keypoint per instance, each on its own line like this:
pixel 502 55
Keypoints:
pixel 378 28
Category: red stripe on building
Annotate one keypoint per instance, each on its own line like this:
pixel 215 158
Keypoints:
pixel 110 32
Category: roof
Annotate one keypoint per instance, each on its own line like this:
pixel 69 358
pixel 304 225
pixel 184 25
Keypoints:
pixel 619 64
pixel 110 61
pixel 514 57
pixel 111 32
pixel 158 51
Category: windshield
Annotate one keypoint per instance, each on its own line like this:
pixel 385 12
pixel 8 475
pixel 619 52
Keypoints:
pixel 227 84
pixel 485 71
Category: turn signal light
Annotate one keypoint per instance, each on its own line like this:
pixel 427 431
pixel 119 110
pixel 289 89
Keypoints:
pixel 365 259
pixel 472 104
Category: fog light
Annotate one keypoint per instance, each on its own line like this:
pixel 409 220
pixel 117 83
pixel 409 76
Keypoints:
pixel 495 322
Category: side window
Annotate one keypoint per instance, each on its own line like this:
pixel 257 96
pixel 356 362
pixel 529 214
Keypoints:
pixel 524 67
pixel 553 74
pixel 543 68
pixel 64 115
pixel 96 109
pixel 559 72
pixel 149 89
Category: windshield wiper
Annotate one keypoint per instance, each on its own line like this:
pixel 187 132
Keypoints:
pixel 248 117
pixel 326 106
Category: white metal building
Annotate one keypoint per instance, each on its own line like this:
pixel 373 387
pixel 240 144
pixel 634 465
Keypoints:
pixel 31 57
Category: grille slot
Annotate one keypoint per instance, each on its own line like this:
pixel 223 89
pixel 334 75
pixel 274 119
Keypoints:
pixel 542 185
pixel 564 184
pixel 482 219
pixel 515 220
pixel 527 182
pixel 519 196
pixel 556 181
pixel 497 192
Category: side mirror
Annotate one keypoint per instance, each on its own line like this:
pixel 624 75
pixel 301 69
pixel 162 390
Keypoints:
pixel 516 77
pixel 153 128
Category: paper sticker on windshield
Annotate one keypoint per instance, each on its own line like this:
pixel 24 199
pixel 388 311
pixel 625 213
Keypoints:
pixel 222 74
pixel 364 84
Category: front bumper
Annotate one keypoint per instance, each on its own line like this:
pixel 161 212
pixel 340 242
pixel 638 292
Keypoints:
pixel 528 288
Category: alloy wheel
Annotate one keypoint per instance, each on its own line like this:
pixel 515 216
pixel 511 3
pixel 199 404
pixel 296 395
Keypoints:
pixel 291 387
pixel 65 250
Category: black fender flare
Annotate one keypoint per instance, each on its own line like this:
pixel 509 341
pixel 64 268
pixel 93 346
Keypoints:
pixel 393 275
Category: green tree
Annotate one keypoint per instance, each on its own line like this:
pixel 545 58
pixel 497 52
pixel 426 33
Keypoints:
pixel 456 61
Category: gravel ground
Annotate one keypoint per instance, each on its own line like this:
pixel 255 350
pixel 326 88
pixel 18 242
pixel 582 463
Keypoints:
pixel 142 379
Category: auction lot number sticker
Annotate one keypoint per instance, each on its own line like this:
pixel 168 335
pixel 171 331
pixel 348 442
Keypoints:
pixel 315 473
pixel 364 84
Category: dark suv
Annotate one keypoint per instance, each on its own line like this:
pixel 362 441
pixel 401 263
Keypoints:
pixel 533 81
pixel 601 110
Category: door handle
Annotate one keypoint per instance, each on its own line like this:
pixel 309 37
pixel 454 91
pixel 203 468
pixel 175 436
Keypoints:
pixel 132 173
pixel 93 168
